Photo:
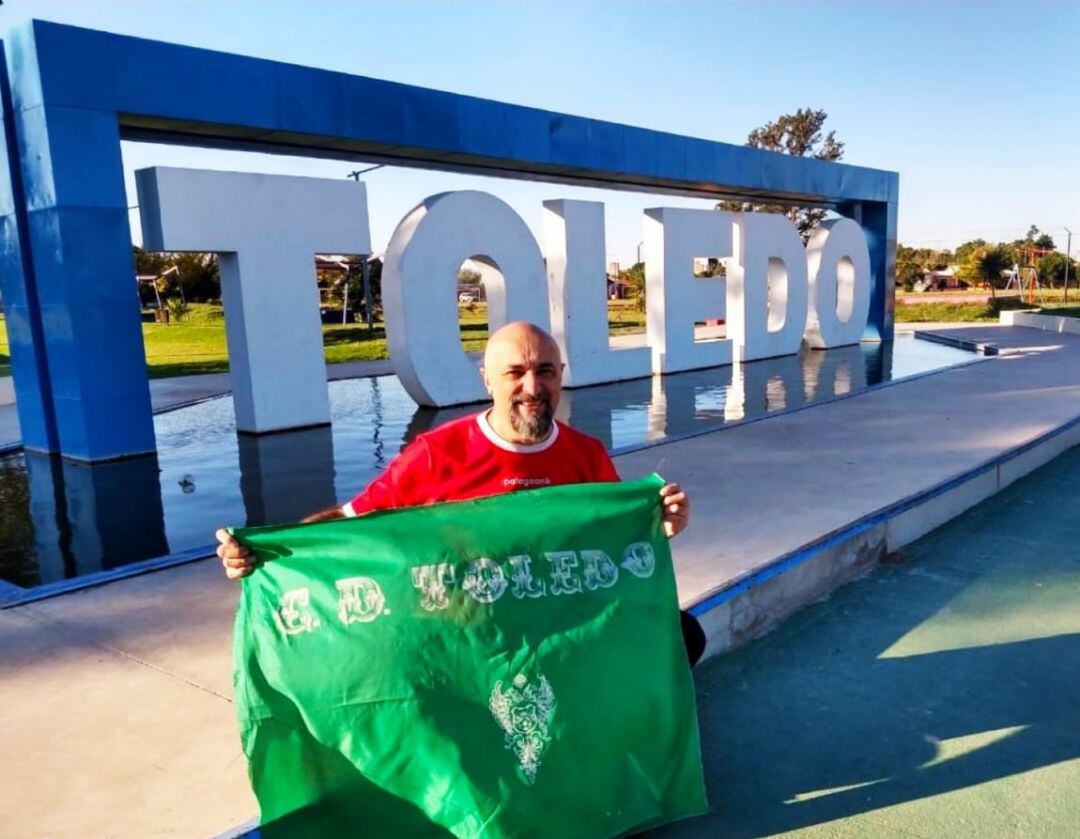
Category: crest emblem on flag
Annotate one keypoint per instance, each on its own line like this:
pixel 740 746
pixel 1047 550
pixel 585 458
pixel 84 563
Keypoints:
pixel 524 712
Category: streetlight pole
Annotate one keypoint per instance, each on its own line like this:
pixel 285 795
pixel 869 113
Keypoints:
pixel 368 313
pixel 369 316
pixel 1068 249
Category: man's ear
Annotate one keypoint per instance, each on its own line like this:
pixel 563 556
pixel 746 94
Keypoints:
pixel 484 376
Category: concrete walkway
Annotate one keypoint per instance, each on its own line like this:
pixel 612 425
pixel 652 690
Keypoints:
pixel 936 698
pixel 117 717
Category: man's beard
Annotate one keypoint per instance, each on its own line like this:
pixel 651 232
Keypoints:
pixel 533 427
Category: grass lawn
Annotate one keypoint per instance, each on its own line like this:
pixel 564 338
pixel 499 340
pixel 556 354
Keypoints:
pixel 1051 301
pixel 977 312
pixel 197 345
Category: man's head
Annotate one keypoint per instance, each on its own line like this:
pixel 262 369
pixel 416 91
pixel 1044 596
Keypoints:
pixel 523 373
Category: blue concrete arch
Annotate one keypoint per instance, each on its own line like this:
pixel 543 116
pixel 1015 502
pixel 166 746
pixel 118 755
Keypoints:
pixel 70 95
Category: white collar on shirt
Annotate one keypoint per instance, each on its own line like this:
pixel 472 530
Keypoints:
pixel 520 448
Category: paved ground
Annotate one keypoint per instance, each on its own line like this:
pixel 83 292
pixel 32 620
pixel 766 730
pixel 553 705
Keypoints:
pixel 937 697
pixel 117 719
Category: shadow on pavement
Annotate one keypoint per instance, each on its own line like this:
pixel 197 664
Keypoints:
pixel 821 721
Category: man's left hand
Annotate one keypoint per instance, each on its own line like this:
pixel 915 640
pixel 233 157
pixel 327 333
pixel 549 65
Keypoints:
pixel 676 509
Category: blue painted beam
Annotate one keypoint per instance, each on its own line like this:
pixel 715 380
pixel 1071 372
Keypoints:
pixel 167 89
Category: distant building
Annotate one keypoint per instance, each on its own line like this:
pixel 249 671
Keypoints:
pixel 618 288
pixel 940 280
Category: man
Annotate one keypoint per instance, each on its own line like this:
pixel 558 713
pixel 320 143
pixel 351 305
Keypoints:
pixel 516 444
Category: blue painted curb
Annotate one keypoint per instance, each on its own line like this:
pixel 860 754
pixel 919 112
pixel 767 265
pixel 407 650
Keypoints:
pixel 22 596
pixel 791 560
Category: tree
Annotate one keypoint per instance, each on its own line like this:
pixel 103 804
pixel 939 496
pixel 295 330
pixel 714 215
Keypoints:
pixel 798 134
pixel 356 283
pixel 468 276
pixel 197 273
pixel 908 272
pixel 1035 239
pixel 635 275
pixel 965 251
pixel 912 263
pixel 1051 269
pixel 984 265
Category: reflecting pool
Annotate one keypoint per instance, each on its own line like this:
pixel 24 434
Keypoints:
pixel 60 519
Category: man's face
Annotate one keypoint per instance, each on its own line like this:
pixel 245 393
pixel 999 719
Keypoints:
pixel 524 375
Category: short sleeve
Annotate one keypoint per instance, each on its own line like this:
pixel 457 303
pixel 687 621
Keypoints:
pixel 603 466
pixel 399 486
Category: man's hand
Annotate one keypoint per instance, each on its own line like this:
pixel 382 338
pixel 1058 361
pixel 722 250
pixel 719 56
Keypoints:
pixel 236 559
pixel 676 509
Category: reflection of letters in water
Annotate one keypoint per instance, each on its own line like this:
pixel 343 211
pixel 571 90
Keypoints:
pixel 485 580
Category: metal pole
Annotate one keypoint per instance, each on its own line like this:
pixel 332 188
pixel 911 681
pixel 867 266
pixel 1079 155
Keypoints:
pixel 1068 249
pixel 369 315
pixel 345 302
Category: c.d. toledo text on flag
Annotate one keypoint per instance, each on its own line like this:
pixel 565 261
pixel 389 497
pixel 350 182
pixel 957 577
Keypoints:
pixel 510 666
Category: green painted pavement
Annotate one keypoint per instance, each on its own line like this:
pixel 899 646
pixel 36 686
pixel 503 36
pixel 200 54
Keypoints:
pixel 939 696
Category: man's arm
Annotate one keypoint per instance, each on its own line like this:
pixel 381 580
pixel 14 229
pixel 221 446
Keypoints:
pixel 238 561
pixel 329 514
pixel 393 488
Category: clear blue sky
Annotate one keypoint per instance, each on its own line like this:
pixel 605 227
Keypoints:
pixel 974 104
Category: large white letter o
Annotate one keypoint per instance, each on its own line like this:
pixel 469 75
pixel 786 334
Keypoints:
pixel 838 264
pixel 420 289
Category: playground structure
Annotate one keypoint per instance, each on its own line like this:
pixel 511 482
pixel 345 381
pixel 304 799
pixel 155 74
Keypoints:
pixel 1025 276
pixel 161 312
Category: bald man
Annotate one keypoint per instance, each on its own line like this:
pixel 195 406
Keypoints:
pixel 515 444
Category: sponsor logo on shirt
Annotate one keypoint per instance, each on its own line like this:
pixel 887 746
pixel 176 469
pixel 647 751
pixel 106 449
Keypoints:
pixel 524 483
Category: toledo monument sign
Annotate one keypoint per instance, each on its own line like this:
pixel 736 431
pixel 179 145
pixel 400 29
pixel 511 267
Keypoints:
pixel 70 95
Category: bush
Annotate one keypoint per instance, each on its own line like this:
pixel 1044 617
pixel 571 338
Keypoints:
pixel 178 309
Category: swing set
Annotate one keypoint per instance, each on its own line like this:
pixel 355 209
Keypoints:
pixel 1025 277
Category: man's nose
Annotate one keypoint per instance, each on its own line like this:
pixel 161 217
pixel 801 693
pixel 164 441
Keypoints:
pixel 530 383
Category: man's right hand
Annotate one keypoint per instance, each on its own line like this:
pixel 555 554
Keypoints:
pixel 236 559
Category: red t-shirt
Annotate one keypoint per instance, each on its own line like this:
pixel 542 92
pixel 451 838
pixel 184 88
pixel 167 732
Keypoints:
pixel 466 459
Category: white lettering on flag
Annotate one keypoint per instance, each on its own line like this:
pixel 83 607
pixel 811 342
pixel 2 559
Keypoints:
pixel 484 580
pixel 524 584
pixel 564 579
pixel 360 600
pixel 639 559
pixel 600 571
pixel 432 581
pixel 291 615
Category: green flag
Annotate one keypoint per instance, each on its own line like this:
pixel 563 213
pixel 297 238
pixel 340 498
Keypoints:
pixel 510 666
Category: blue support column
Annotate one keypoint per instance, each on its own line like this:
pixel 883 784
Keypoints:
pixel 22 314
pixel 878 221
pixel 78 253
